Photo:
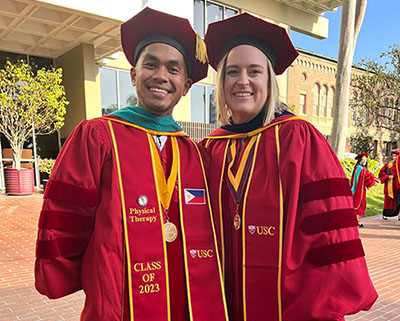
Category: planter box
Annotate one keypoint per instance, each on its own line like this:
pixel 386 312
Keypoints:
pixel 44 182
pixel 19 181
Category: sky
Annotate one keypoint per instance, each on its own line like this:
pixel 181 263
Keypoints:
pixel 380 29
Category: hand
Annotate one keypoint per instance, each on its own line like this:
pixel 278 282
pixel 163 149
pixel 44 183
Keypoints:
pixel 391 176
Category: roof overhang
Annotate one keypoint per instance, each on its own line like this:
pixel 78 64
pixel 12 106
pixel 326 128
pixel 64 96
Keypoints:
pixel 313 6
pixel 42 29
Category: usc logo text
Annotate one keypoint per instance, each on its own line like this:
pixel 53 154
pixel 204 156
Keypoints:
pixel 201 254
pixel 262 230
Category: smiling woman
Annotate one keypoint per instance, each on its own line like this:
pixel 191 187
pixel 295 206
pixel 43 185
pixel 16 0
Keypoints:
pixel 282 205
pixel 246 75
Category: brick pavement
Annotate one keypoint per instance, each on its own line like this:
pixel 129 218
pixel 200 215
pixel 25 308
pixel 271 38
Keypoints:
pixel 18 298
pixel 381 240
pixel 20 301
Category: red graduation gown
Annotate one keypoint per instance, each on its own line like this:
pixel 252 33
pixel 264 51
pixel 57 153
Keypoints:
pixel 297 255
pixel 365 181
pixel 390 190
pixel 94 235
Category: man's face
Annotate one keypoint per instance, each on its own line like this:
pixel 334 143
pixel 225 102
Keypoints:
pixel 160 78
pixel 394 156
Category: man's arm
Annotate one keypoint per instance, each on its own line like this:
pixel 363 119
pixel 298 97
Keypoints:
pixel 382 174
pixel 68 213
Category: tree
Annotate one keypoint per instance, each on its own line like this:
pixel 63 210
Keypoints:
pixel 29 100
pixel 352 16
pixel 362 142
pixel 376 98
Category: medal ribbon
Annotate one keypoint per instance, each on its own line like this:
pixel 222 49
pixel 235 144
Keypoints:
pixel 236 182
pixel 166 187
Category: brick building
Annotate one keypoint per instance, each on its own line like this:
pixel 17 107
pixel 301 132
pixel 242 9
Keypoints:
pixel 311 93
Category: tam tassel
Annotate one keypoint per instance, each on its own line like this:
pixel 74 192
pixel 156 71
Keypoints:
pixel 201 50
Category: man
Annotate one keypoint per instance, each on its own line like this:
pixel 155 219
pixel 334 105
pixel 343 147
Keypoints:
pixel 387 175
pixel 126 213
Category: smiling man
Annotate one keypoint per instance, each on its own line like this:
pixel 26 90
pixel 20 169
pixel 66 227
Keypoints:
pixel 160 78
pixel 126 214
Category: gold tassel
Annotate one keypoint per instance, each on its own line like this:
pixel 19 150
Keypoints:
pixel 201 50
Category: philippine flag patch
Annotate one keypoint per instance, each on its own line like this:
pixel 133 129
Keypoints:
pixel 195 196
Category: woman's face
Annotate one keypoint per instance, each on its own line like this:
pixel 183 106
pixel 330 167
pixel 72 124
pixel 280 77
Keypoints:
pixel 363 160
pixel 246 82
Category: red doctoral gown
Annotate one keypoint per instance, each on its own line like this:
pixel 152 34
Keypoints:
pixel 390 188
pixel 297 254
pixel 360 183
pixel 101 228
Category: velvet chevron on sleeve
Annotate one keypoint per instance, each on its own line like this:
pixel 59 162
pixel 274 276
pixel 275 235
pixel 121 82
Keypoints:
pixel 68 213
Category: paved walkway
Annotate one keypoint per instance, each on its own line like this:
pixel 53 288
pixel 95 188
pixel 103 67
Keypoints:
pixel 20 301
pixel 18 298
pixel 381 241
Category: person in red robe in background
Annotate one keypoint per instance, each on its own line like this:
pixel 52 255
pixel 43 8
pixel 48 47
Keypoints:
pixel 387 176
pixel 361 180
pixel 283 209
pixel 126 215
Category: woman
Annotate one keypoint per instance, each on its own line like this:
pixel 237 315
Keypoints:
pixel 361 180
pixel 283 212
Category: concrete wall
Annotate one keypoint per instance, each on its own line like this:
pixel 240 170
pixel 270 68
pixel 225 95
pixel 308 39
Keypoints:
pixel 82 86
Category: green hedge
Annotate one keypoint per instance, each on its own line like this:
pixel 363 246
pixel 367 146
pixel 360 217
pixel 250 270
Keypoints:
pixel 348 165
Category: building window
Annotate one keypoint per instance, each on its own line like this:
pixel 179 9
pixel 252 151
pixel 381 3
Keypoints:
pixel 206 12
pixel 323 108
pixel 202 104
pixel 388 148
pixel 353 114
pixel 366 115
pixel 316 100
pixel 304 76
pixel 116 90
pixel 303 109
pixel 375 148
pixel 331 94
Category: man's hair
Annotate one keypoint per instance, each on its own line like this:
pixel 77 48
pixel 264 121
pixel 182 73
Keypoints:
pixel 271 106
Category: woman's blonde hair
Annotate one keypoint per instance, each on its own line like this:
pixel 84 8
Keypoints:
pixel 271 106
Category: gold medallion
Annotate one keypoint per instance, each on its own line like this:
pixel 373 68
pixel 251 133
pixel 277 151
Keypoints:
pixel 236 222
pixel 170 232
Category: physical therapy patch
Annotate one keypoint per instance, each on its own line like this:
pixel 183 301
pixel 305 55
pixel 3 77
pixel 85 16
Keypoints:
pixel 195 196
